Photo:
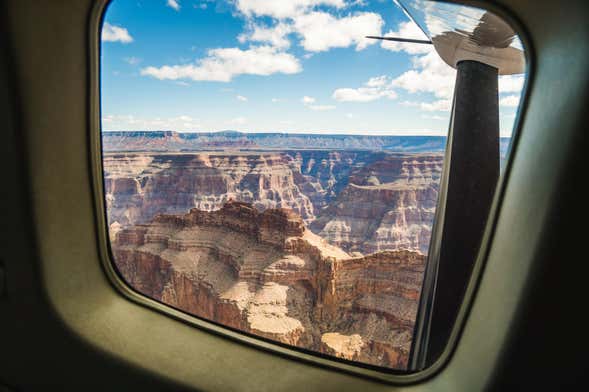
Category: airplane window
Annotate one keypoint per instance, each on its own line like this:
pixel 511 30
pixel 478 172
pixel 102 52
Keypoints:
pixel 275 167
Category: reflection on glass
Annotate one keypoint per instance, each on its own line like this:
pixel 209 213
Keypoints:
pixel 465 33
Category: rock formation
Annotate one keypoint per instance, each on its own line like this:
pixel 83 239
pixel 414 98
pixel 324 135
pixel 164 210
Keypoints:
pixel 323 174
pixel 388 204
pixel 361 201
pixel 266 274
pixel 140 186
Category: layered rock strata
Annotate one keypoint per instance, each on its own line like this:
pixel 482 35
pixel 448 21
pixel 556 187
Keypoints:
pixel 388 204
pixel 361 201
pixel 266 274
pixel 141 186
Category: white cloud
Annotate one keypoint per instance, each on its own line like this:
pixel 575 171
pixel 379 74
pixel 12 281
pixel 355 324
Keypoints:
pixel 112 33
pixel 321 108
pixel 175 4
pixel 275 100
pixel 434 117
pixel 321 31
pixel 317 31
pixel 429 74
pixel 441 105
pixel 375 88
pixel 281 9
pixel 241 98
pixel 309 103
pixel 362 94
pixel 223 64
pixel 406 30
pixel 132 60
pixel 238 121
pixel 510 101
pixel 377 81
pixel 511 83
pixel 275 36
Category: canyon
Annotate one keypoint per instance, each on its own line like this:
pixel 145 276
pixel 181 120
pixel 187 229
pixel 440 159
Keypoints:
pixel 388 204
pixel 322 249
pixel 264 273
pixel 361 201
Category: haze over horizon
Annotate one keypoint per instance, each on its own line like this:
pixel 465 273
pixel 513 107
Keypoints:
pixel 301 132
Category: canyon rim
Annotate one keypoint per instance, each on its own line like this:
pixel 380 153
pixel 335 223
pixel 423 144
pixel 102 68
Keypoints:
pixel 322 249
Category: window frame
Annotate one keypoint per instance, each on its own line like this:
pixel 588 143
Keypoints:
pixel 396 377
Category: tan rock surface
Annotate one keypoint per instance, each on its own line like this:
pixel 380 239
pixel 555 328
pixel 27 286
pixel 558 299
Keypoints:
pixel 266 274
pixel 140 186
pixel 348 347
pixel 360 201
pixel 387 205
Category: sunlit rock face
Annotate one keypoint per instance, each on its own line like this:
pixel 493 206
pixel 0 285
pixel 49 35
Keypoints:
pixel 264 273
pixel 318 249
pixel 140 186
pixel 388 204
pixel 322 175
pixel 362 201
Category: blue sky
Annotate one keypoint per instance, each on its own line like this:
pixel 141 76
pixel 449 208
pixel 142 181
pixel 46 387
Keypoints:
pixel 274 66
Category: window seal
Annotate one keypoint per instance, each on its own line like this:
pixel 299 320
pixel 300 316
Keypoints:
pixel 95 22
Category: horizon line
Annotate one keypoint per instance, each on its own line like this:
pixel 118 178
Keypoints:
pixel 425 133
pixel 312 132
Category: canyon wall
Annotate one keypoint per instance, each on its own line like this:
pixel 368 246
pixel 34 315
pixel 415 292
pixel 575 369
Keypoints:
pixel 266 274
pixel 140 186
pixel 388 204
pixel 362 201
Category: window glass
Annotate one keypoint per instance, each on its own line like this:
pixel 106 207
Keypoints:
pixel 270 169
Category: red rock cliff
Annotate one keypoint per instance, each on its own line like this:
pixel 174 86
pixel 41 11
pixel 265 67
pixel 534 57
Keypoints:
pixel 265 274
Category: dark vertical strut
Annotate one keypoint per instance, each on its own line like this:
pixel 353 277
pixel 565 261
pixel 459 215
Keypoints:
pixel 469 179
